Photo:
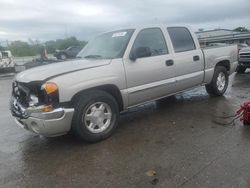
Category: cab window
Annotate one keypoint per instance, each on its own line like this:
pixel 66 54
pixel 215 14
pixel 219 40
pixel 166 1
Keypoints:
pixel 153 39
pixel 181 39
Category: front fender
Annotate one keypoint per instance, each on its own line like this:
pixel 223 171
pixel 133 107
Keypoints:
pixel 70 84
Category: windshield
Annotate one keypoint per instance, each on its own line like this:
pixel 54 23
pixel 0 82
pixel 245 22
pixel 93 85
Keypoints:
pixel 108 45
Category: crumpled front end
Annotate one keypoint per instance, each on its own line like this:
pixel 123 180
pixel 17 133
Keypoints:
pixel 35 111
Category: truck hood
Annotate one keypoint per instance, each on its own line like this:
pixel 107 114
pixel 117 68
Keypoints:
pixel 46 72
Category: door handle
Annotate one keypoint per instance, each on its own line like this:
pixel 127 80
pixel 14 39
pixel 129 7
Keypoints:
pixel 169 62
pixel 196 58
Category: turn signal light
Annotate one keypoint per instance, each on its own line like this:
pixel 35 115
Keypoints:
pixel 50 87
pixel 47 108
pixel 50 92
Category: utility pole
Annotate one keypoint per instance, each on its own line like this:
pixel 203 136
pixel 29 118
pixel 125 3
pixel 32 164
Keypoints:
pixel 7 43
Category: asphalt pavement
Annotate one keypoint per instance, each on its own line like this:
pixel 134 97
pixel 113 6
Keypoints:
pixel 176 142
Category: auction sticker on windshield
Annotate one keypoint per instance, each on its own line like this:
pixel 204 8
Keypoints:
pixel 120 34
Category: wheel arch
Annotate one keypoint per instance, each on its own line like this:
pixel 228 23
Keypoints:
pixel 109 88
pixel 224 63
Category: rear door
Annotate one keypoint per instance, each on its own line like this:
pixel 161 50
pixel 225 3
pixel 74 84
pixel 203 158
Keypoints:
pixel 188 58
pixel 149 77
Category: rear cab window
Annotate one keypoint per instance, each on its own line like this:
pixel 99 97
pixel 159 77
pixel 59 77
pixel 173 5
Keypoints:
pixel 181 39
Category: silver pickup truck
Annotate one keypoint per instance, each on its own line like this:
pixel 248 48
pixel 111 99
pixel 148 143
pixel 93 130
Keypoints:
pixel 116 71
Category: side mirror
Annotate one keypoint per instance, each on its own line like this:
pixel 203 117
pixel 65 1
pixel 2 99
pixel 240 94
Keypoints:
pixel 140 52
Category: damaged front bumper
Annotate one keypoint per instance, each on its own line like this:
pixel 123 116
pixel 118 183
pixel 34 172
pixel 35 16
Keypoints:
pixel 54 123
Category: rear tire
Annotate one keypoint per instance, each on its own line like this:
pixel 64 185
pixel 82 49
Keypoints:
pixel 96 115
pixel 219 83
pixel 240 69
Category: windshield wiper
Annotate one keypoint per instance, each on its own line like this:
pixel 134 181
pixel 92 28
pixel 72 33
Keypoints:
pixel 93 56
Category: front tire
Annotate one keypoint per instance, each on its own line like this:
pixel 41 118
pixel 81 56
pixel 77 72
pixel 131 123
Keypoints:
pixel 219 83
pixel 96 115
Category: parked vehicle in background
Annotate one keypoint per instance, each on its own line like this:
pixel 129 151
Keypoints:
pixel 242 45
pixel 116 71
pixel 6 61
pixel 69 53
pixel 244 60
pixel 35 63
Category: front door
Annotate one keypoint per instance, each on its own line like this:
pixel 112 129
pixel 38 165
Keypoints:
pixel 152 76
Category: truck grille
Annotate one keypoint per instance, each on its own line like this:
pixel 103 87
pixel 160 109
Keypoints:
pixel 21 93
pixel 244 55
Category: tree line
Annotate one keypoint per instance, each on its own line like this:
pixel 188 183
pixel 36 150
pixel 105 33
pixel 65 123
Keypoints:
pixel 241 29
pixel 32 48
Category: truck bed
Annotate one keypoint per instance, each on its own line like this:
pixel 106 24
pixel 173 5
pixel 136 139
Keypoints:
pixel 215 54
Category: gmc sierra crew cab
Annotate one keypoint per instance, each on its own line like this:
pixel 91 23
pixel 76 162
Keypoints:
pixel 114 72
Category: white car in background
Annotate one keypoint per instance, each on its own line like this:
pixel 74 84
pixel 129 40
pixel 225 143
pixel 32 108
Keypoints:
pixel 6 61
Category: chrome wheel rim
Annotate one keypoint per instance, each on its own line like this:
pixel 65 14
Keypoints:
pixel 97 117
pixel 221 81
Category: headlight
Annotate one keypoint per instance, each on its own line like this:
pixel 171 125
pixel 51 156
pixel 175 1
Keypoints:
pixel 33 100
pixel 51 94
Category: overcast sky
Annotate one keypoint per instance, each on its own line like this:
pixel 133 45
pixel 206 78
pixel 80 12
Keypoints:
pixel 52 19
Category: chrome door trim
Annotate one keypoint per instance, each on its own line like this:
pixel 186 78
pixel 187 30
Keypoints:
pixel 163 82
pixel 151 85
pixel 190 75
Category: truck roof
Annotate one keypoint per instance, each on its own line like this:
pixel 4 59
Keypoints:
pixel 151 25
pixel 142 26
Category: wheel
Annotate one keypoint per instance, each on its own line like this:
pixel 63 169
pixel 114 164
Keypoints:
pixel 219 83
pixel 63 56
pixel 95 117
pixel 240 69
